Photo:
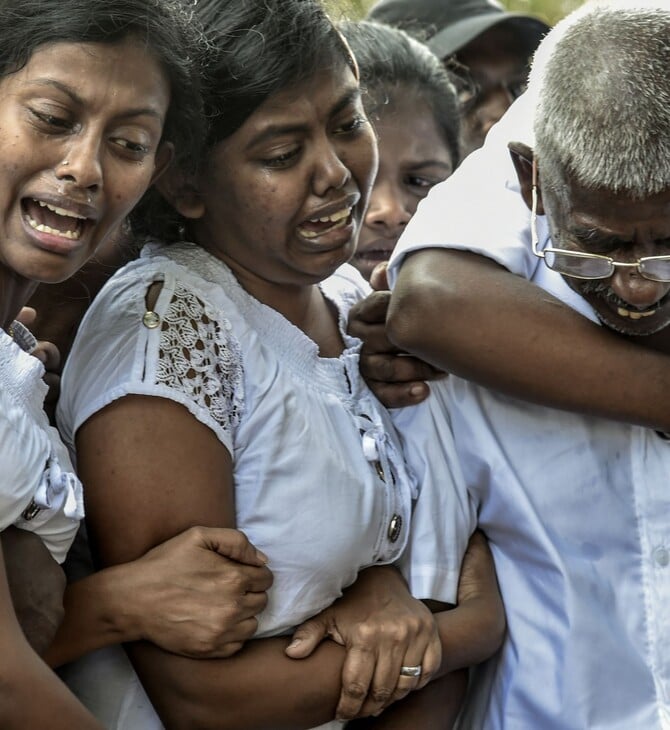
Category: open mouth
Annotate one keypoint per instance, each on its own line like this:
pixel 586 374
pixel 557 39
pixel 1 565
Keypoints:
pixel 318 226
pixel 51 219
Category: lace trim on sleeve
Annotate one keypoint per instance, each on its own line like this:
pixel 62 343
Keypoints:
pixel 199 357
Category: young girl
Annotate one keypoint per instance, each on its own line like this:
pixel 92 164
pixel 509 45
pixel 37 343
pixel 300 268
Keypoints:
pixel 217 375
pixel 413 107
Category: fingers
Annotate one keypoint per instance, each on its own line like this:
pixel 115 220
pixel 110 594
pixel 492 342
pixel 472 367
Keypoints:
pixel 379 277
pixel 306 638
pixel 230 543
pixel 369 311
pixel 48 354
pixel 357 674
pixel 26 316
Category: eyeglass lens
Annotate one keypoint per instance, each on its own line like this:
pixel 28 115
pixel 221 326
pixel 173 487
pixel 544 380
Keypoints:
pixel 584 266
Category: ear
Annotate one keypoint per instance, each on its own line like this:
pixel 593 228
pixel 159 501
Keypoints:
pixel 181 192
pixel 522 157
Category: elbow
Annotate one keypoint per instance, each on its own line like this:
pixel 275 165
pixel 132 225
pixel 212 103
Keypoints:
pixel 416 321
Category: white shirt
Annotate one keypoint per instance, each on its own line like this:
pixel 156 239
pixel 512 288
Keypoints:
pixel 321 484
pixel 39 491
pixel 577 509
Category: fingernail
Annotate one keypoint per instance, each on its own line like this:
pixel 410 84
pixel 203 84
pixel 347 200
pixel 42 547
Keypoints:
pixel 417 390
pixel 294 643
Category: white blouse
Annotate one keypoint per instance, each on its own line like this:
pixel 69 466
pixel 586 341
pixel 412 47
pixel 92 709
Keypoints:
pixel 39 491
pixel 320 481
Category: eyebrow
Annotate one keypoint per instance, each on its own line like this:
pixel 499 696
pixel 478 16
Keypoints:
pixel 430 163
pixel 273 130
pixel 588 236
pixel 72 94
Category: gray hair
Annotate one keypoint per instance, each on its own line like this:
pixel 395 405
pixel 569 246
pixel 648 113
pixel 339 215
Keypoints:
pixel 602 84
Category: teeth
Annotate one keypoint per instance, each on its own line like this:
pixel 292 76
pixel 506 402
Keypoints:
pixel 309 234
pixel 633 314
pixel 42 228
pixel 60 211
pixel 334 218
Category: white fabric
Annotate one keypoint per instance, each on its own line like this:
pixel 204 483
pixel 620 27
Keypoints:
pixel 308 438
pixel 39 491
pixel 576 509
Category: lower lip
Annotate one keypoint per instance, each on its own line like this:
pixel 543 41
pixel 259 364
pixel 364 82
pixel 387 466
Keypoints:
pixel 643 325
pixel 52 243
pixel 333 238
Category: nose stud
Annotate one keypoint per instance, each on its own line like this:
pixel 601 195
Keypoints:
pixel 65 163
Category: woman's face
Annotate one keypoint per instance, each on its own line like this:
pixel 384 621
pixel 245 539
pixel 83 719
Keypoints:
pixel 284 196
pixel 413 157
pixel 80 130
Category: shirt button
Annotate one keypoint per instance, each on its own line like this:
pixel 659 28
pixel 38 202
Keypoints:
pixel 379 470
pixel 151 320
pixel 662 556
pixel 395 526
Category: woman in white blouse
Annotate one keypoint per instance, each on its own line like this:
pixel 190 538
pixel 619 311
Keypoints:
pixel 212 383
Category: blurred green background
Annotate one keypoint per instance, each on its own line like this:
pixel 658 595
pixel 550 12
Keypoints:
pixel 549 10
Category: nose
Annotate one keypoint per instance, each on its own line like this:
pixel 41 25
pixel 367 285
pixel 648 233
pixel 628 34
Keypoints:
pixel 81 165
pixel 331 170
pixel 629 285
pixel 389 211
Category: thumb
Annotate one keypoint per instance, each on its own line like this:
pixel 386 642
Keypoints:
pixel 379 278
pixel 307 637
pixel 26 316
pixel 231 544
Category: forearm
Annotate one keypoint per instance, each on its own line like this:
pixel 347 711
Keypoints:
pixel 31 696
pixel 470 633
pixel 435 707
pixel 473 318
pixel 259 687
pixel 95 617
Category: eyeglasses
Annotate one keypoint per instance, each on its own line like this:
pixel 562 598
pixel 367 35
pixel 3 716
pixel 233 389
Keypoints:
pixel 579 265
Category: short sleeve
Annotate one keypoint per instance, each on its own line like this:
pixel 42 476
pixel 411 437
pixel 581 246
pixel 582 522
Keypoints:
pixel 183 350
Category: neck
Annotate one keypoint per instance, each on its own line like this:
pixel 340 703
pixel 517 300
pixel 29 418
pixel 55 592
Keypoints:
pixel 14 293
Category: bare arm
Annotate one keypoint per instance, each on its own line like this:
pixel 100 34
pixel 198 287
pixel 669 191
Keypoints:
pixel 465 314
pixel 31 696
pixel 152 471
pixel 470 633
pixel 196 595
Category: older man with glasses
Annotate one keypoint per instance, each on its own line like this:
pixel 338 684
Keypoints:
pixel 576 507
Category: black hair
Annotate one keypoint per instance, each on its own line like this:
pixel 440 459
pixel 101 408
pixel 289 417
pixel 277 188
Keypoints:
pixel 165 27
pixel 259 47
pixel 256 49
pixel 391 62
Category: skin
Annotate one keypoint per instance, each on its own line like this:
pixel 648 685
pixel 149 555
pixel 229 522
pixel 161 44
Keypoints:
pixel 306 153
pixel 83 104
pixel 596 371
pixel 413 157
pixel 498 67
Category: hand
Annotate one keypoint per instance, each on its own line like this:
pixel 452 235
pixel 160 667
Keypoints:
pixel 49 355
pixel 396 378
pixel 36 583
pixel 383 629
pixel 198 593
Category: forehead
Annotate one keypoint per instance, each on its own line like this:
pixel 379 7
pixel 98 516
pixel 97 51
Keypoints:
pixel 121 72
pixel 610 212
pixel 407 126
pixel 318 97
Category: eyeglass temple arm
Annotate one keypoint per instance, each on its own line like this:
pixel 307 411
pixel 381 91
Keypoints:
pixel 535 241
